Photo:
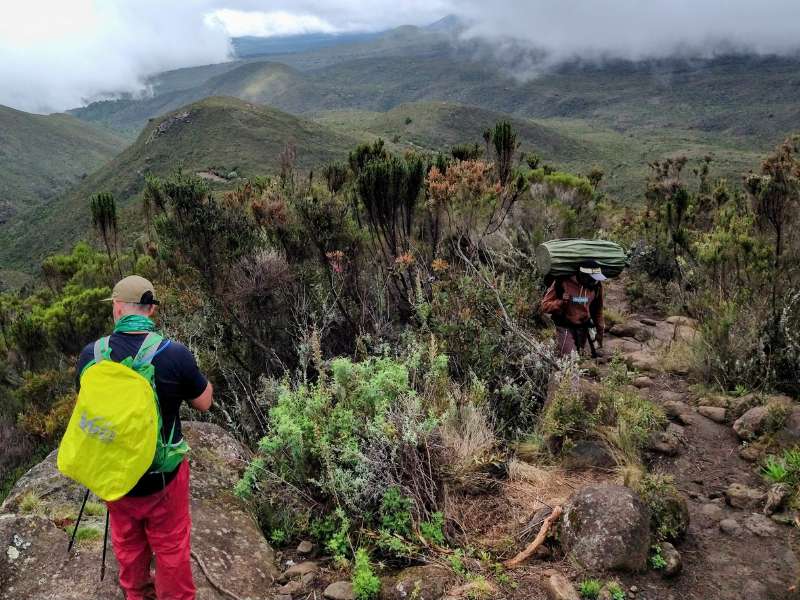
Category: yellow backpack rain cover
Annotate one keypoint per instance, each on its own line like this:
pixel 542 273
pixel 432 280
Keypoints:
pixel 111 438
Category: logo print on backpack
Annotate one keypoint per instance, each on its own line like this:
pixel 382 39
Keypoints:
pixel 97 428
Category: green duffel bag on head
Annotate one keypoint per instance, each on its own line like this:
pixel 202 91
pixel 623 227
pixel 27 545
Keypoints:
pixel 560 258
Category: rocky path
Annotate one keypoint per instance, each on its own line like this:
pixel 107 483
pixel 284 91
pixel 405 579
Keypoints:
pixel 732 549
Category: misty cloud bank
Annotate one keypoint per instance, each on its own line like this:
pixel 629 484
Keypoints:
pixel 58 54
pixel 596 30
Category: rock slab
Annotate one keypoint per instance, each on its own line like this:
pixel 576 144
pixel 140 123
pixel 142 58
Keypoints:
pixel 225 535
pixel 559 587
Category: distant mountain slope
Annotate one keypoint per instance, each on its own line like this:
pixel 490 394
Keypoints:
pixel 223 134
pixel 42 155
pixel 437 126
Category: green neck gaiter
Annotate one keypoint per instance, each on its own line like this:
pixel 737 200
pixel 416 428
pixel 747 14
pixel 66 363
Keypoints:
pixel 130 323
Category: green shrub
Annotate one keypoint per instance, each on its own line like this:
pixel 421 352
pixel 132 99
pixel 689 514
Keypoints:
pixel 784 468
pixel 590 589
pixel 616 591
pixel 657 560
pixel 669 517
pixel 361 428
pixel 366 585
pixel 433 530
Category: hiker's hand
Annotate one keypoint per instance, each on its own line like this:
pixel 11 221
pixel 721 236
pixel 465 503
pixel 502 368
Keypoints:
pixel 566 297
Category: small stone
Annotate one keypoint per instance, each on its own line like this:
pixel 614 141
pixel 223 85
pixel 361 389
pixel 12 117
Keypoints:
pixel 729 526
pixel 712 511
pixel 760 525
pixel 12 553
pixel 777 495
pixel 672 558
pixel 677 430
pixel 339 590
pixel 675 408
pixel 643 382
pixel 648 321
pixel 298 570
pixel 308 578
pixel 633 589
pixel 663 443
pixel 715 413
pixel 305 547
pixel 783 518
pixel 749 453
pixel 741 496
pixel 283 597
pixel 558 587
pixel 291 588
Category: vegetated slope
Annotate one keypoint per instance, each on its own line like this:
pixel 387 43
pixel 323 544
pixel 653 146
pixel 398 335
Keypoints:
pixel 224 134
pixel 42 155
pixel 437 126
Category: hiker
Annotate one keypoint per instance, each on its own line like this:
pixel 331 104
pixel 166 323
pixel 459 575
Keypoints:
pixel 575 304
pixel 153 517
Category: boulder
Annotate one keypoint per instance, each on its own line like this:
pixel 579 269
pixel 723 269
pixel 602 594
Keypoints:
pixel 606 527
pixel 643 360
pixel 630 329
pixel 675 409
pixel 427 582
pixel 558 587
pixel 339 590
pixel 622 345
pixel 739 495
pixel 479 588
pixel 673 559
pixel 648 321
pixel 225 535
pixel 663 442
pixel 789 434
pixel 715 413
pixel 680 320
pixel 752 423
pixel 643 382
pixel 589 454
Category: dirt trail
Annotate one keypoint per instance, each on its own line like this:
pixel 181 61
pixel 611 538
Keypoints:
pixel 756 559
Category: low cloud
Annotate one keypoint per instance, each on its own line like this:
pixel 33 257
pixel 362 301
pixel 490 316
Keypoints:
pixel 56 55
pixel 268 24
pixel 595 30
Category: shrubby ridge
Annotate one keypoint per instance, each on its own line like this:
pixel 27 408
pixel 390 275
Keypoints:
pixel 375 335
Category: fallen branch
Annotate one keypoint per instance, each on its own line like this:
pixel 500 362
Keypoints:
pixel 215 584
pixel 540 537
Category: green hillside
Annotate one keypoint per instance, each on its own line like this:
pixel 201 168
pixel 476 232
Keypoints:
pixel 219 134
pixel 42 155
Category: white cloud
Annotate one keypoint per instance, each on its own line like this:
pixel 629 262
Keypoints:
pixel 267 24
pixel 638 29
pixel 56 54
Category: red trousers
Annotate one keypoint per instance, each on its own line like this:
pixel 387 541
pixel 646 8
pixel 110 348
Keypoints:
pixel 158 524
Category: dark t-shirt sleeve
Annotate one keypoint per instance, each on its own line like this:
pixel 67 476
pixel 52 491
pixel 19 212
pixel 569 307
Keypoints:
pixel 84 358
pixel 190 381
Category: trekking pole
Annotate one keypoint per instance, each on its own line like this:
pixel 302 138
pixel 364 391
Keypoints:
pixel 78 521
pixel 105 545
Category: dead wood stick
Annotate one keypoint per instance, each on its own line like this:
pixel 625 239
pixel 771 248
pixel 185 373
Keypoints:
pixel 540 537
pixel 215 584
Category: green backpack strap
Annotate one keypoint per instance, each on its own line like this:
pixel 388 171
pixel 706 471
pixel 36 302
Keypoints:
pixel 148 350
pixel 102 349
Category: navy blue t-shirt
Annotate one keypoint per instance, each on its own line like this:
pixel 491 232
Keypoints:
pixel 177 380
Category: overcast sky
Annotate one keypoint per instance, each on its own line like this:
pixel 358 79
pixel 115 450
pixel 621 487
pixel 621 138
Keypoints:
pixel 58 54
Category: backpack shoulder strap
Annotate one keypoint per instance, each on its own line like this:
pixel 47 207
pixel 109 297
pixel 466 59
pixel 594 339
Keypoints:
pixel 149 349
pixel 102 349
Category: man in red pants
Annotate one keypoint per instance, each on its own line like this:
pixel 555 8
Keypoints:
pixel 153 518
